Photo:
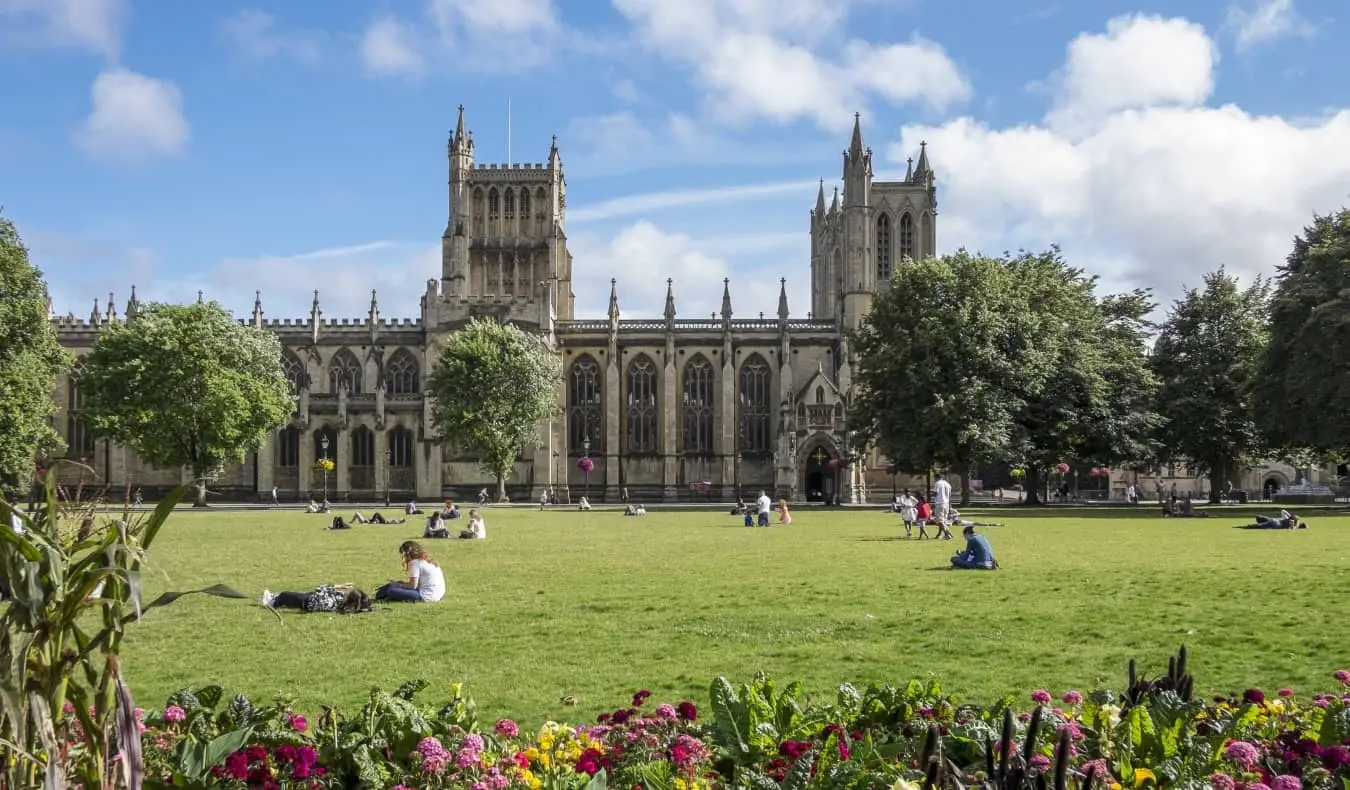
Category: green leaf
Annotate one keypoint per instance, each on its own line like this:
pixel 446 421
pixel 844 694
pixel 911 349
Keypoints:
pixel 598 782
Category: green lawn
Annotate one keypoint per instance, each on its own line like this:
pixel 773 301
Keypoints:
pixel 593 606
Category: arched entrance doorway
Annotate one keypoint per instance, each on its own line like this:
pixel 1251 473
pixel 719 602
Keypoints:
pixel 821 476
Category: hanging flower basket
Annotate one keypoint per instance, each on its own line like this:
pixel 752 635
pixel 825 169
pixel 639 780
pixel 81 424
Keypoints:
pixel 585 464
pixel 1063 468
pixel 833 463
pixel 324 465
pixel 1018 474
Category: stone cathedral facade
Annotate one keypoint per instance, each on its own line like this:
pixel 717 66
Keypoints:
pixel 668 407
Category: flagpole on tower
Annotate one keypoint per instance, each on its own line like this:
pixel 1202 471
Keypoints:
pixel 508 131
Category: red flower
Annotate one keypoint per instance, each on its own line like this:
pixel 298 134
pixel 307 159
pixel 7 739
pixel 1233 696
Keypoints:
pixel 591 761
pixel 1254 696
pixel 687 711
pixel 521 760
pixel 236 765
pixel 640 698
pixel 620 716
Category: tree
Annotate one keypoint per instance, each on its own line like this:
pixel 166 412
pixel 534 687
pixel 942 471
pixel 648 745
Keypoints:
pixel 187 386
pixel 945 361
pixel 30 359
pixel 1206 357
pixel 1299 393
pixel 492 385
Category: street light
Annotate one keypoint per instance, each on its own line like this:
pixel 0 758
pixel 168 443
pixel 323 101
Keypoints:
pixel 388 460
pixel 553 489
pixel 323 443
pixel 586 468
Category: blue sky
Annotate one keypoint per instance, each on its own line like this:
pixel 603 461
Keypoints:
pixel 288 146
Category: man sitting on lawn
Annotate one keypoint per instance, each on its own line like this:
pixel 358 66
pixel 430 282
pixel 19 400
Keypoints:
pixel 978 556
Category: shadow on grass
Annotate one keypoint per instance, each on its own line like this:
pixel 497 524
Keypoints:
pixel 1114 513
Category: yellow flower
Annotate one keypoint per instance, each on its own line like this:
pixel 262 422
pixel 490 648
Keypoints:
pixel 1142 776
pixel 1115 786
pixel 546 741
pixel 904 784
pixel 681 784
pixel 532 754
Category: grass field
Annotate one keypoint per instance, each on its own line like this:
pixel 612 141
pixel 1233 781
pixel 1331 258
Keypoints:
pixel 593 606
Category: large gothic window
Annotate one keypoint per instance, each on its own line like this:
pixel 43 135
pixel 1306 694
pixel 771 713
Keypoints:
pixel 526 221
pixel 697 402
pixel 541 211
pixel 585 407
pixel 401 374
pixel 400 447
pixel 363 447
pixel 640 405
pixel 288 448
pixel 479 214
pixel 344 371
pixel 494 208
pixel 295 371
pixel 884 247
pixel 79 434
pixel 754 402
pixel 510 204
pixel 927 238
pixel 907 237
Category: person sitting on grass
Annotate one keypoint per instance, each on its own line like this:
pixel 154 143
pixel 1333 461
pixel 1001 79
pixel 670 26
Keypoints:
pixel 979 555
pixel 426 581
pixel 584 504
pixel 436 528
pixel 1285 520
pixel 450 510
pixel 476 529
pixel 634 510
pixel 341 598
pixel 315 507
pixel 411 509
pixel 376 518
pixel 784 515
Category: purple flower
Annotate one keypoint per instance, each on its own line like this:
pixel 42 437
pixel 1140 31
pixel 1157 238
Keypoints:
pixel 1254 696
pixel 1103 772
pixel 174 713
pixel 435 764
pixel 1334 757
pixel 666 711
pixel 1343 675
pixel 1040 762
pixel 1072 698
pixel 507 728
pixel 1242 753
pixel 1256 786
pixel 1286 782
pixel 431 746
pixel 1222 782
pixel 1040 697
pixel 473 742
pixel 298 723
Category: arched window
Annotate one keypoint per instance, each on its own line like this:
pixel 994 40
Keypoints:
pixel 541 211
pixel 820 394
pixel 401 374
pixel 400 447
pixel 79 434
pixel 585 407
pixel 363 447
pixel 697 403
pixel 295 371
pixel 640 405
pixel 907 237
pixel 884 247
pixel 479 213
pixel 344 371
pixel 288 448
pixel 754 401
pixel 526 221
pixel 510 204
pixel 494 209
pixel 325 444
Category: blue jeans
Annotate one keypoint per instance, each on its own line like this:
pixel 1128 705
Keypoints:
pixel 398 594
pixel 966 563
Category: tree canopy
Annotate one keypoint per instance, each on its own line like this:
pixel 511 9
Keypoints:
pixel 186 386
pixel 1299 391
pixel 30 359
pixel 1205 358
pixel 492 385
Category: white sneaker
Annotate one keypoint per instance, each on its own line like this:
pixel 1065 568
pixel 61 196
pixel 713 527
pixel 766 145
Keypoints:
pixel 268 598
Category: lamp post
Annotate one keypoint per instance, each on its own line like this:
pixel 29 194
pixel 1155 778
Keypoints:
pixel 557 482
pixel 388 459
pixel 586 468
pixel 323 443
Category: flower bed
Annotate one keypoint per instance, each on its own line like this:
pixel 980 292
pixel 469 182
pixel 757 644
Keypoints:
pixel 763 735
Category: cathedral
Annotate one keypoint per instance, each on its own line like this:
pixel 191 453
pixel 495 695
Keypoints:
pixel 663 407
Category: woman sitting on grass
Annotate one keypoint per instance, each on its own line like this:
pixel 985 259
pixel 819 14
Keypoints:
pixel 425 584
pixel 476 529
pixel 784 515
pixel 343 598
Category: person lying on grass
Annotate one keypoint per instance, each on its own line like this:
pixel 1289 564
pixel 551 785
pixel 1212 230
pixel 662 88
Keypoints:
pixel 978 556
pixel 957 521
pixel 426 581
pixel 1285 520
pixel 376 518
pixel 341 598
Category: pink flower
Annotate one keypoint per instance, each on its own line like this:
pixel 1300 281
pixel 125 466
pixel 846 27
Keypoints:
pixel 67 709
pixel 507 728
pixel 429 746
pixel 1286 782
pixel 1103 772
pixel 174 713
pixel 298 723
pixel 434 764
pixel 1242 753
pixel 473 742
pixel 402 787
pixel 1040 762
pixel 1222 782
pixel 1343 675
pixel 1285 692
pixel 666 711
pixel 1255 786
pixel 1072 698
pixel 1040 697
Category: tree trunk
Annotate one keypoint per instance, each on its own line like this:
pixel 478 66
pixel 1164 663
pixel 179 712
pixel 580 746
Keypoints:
pixel 200 500
pixel 501 488
pixel 1216 481
pixel 964 471
pixel 1033 488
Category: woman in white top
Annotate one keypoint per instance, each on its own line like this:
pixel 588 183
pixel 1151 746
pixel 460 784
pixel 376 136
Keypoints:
pixel 426 581
pixel 476 529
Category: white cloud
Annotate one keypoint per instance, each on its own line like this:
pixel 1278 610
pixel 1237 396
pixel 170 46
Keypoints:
pixel 481 35
pixel 1268 20
pixel 388 47
pixel 91 25
pixel 758 59
pixel 133 118
pixel 1158 189
pixel 632 205
pixel 256 36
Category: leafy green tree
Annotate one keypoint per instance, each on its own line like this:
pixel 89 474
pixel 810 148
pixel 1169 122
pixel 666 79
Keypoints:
pixel 1299 392
pixel 946 360
pixel 492 385
pixel 1206 357
pixel 187 386
pixel 30 360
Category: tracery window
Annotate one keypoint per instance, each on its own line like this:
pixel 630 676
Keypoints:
pixel 401 374
pixel 344 371
pixel 585 407
pixel 640 406
pixel 697 403
pixel 884 247
pixel 754 402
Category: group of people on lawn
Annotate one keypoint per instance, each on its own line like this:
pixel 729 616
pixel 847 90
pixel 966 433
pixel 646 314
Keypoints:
pixel 424 583
pixel 918 511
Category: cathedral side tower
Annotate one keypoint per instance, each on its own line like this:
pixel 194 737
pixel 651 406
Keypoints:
pixel 505 240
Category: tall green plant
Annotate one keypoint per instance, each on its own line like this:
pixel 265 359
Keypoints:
pixel 73 586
